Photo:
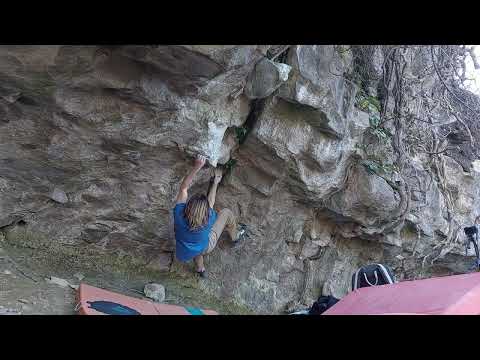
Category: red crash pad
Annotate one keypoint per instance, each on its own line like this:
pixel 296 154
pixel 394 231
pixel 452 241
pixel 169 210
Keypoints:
pixel 95 301
pixel 448 295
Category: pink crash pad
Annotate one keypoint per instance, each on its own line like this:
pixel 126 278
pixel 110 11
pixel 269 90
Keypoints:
pixel 448 295
pixel 94 301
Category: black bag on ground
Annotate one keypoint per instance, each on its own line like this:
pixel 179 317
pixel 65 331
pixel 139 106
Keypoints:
pixel 322 304
pixel 372 275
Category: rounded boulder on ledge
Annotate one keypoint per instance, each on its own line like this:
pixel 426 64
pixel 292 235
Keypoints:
pixel 155 292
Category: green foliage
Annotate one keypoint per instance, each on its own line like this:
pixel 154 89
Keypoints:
pixel 241 133
pixel 367 103
pixel 371 105
pixel 342 50
pixel 229 165
pixel 354 77
pixel 374 121
pixel 362 147
pixel 374 166
pixel 390 168
pixel 376 129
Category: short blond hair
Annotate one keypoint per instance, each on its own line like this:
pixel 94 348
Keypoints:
pixel 196 211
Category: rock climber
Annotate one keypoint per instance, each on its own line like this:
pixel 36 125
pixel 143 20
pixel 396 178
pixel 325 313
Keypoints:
pixel 197 225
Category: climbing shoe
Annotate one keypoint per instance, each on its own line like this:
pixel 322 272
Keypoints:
pixel 241 234
pixel 202 274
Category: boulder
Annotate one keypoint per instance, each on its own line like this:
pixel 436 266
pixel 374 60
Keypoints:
pixel 266 77
pixel 155 292
pixel 59 196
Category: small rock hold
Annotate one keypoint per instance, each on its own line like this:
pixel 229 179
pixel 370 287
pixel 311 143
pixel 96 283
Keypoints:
pixel 155 292
pixel 59 196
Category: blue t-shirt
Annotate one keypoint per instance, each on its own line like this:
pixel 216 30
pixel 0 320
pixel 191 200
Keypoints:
pixel 190 243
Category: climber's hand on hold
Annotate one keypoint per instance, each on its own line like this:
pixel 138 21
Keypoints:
pixel 200 162
pixel 218 175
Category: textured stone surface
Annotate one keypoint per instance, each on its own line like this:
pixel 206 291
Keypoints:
pixel 155 292
pixel 266 77
pixel 116 129
pixel 59 196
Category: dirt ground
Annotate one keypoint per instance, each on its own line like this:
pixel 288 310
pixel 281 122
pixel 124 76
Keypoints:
pixel 25 290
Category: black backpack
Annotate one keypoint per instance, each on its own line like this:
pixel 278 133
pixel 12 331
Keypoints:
pixel 322 304
pixel 372 275
pixel 472 237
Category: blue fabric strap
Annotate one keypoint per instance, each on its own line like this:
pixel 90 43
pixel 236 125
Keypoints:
pixel 194 311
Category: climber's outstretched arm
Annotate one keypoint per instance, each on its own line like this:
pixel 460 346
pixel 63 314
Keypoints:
pixel 213 190
pixel 187 181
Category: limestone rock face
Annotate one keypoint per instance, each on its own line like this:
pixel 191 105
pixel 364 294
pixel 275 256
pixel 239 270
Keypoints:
pixel 116 128
pixel 266 77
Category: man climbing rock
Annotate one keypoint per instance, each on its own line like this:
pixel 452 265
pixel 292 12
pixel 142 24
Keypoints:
pixel 197 225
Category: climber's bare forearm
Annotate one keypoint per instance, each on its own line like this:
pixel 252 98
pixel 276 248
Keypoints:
pixel 187 181
pixel 185 185
pixel 212 194
pixel 213 191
